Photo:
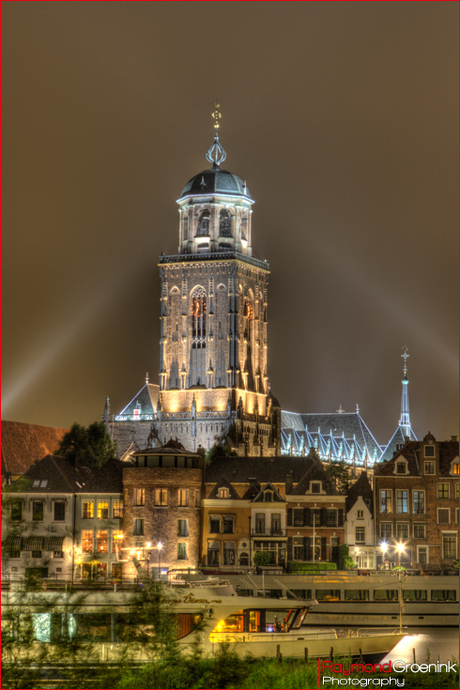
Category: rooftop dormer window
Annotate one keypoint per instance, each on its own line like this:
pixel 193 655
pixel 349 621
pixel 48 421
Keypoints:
pixel 454 467
pixel 401 467
pixel 315 487
pixel 223 493
pixel 268 496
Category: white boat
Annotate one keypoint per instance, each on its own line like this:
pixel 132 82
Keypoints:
pixel 209 612
pixel 353 599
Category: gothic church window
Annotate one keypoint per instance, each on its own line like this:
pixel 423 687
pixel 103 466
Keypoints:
pixel 203 224
pixel 225 224
pixel 198 318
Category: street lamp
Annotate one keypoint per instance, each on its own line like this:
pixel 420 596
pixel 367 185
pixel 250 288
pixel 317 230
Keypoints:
pixel 160 546
pixel 383 546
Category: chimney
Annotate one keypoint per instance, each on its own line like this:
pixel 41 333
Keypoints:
pixel 453 438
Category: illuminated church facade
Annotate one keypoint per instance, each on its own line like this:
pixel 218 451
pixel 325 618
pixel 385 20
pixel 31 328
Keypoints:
pixel 213 377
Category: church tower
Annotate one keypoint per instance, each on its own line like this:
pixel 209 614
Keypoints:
pixel 213 378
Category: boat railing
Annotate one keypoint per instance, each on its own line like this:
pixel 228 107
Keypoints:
pixel 370 632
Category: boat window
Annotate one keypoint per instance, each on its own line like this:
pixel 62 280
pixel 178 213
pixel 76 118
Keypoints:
pixel 328 594
pixel 186 623
pixel 385 595
pixel 356 595
pixel 302 593
pixel 443 595
pixel 414 594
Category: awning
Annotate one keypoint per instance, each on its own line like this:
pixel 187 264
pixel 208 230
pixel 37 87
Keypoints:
pixel 34 544
pixel 55 543
pixel 12 544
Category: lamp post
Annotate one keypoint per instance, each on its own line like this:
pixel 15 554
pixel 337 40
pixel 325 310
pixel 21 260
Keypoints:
pixel 160 546
pixel 383 546
pixel 400 550
pixel 148 545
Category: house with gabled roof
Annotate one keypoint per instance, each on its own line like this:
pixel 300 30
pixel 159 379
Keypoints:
pixel 416 504
pixel 359 523
pixel 38 525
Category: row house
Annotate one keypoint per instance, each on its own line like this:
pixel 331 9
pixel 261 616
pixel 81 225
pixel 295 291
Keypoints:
pixel 38 520
pixel 284 506
pixel 359 524
pixel 315 517
pixel 416 503
pixel 99 525
pixel 161 508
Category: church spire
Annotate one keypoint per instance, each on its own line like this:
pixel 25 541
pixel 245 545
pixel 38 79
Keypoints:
pixel 404 421
pixel 216 153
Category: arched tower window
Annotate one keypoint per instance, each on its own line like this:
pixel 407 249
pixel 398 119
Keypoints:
pixel 198 308
pixel 225 224
pixel 185 228
pixel 203 224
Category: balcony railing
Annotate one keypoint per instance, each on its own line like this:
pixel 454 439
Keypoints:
pixel 274 532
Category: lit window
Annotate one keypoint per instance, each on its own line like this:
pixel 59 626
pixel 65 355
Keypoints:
pixel 103 510
pixel 455 468
pixel 443 491
pixel 117 509
pixel 182 497
pixel 223 493
pixel 117 539
pixel 139 497
pixel 87 541
pixel 161 497
pixel 87 509
pixel 102 541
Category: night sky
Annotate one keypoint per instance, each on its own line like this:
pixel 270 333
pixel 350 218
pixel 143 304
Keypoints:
pixel 342 118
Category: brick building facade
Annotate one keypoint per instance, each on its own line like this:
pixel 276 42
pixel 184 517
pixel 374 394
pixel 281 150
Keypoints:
pixel 416 503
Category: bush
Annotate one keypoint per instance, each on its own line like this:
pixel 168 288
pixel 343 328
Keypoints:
pixel 295 567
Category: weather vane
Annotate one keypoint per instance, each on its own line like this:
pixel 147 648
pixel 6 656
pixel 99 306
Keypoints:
pixel 216 115
pixel 405 355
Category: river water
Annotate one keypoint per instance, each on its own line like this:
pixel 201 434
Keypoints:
pixel 442 644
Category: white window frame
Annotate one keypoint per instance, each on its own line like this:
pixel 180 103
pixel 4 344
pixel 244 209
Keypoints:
pixel 423 546
pixel 430 445
pixel 399 536
pixel 419 524
pixel 445 498
pixel 420 491
pixel 437 515
pixel 430 474
pixel 449 533
pixel 401 461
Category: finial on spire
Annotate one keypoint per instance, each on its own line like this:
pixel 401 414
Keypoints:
pixel 147 377
pixel 404 421
pixel 216 153
pixel 405 355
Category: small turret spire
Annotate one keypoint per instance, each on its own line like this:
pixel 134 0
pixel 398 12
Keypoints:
pixel 404 421
pixel 216 153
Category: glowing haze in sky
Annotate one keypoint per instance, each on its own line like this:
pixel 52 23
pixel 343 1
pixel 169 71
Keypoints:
pixel 341 117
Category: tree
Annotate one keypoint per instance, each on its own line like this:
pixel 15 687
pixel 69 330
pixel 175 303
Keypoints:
pixel 91 446
pixel 262 558
pixel 345 560
pixel 218 451
pixel 339 474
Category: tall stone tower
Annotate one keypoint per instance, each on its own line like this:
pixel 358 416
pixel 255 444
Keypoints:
pixel 213 378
